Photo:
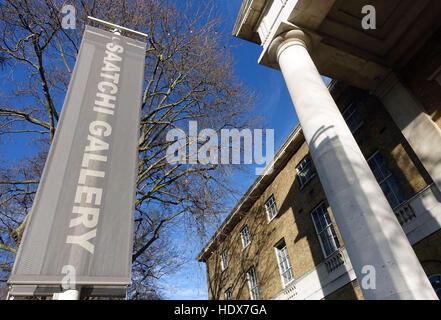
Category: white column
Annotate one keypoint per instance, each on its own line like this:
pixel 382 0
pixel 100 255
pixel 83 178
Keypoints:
pixel 417 126
pixel 371 233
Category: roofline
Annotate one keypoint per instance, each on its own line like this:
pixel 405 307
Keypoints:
pixel 249 14
pixel 293 136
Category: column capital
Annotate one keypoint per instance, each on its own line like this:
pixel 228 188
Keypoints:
pixel 285 40
pixel 385 85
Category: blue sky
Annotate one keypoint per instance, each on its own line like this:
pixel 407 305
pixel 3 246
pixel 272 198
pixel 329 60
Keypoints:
pixel 274 106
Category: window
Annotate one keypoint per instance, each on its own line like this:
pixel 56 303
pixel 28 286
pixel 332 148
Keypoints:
pixel 436 76
pixel 224 260
pixel 271 208
pixel 325 230
pixel 284 264
pixel 386 180
pixel 229 294
pixel 435 280
pixel 245 235
pixel 305 171
pixel 352 118
pixel 252 283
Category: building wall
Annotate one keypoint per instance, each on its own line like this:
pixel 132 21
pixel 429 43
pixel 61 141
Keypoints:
pixel 428 92
pixel 428 252
pixel 350 291
pixel 294 223
pixel 379 133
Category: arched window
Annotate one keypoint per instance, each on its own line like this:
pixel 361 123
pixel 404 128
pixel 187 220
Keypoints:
pixel 435 280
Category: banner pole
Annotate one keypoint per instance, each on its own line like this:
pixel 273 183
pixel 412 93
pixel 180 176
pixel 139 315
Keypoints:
pixel 117 27
pixel 70 294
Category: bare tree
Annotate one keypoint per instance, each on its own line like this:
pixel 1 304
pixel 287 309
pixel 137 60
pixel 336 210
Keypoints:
pixel 188 76
pixel 240 259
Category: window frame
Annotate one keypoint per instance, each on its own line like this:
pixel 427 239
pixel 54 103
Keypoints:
pixel 346 118
pixel 328 226
pixel 303 184
pixel 253 290
pixel 439 289
pixel 436 76
pixel 385 180
pixel 244 245
pixel 289 269
pixel 273 206
pixel 229 294
pixel 224 263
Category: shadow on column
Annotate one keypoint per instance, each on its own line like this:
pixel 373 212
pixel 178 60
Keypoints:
pixel 335 155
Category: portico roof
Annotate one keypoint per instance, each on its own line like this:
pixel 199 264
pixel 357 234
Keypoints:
pixel 343 50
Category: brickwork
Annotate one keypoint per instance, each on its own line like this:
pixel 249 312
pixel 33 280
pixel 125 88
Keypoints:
pixel 294 223
pixel 350 291
pixel 428 252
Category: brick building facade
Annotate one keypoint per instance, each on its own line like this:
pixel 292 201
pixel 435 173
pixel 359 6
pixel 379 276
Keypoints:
pixel 282 241
pixel 293 224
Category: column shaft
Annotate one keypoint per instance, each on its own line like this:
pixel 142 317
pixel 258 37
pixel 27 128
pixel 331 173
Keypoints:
pixel 417 127
pixel 371 233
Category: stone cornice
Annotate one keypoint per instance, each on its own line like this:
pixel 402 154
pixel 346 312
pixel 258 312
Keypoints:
pixel 284 153
pixel 249 15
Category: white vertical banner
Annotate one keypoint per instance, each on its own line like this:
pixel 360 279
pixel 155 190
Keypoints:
pixel 82 216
